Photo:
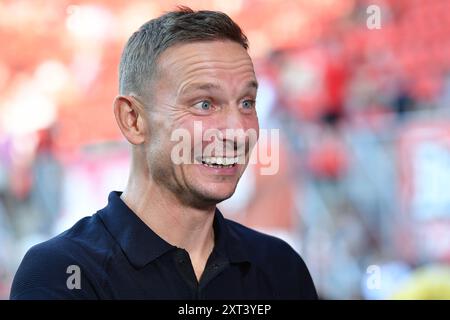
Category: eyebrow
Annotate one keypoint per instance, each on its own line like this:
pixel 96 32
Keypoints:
pixel 202 86
pixel 253 84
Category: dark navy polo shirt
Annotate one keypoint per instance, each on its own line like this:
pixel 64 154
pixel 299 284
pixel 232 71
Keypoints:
pixel 115 255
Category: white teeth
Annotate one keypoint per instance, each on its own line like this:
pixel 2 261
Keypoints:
pixel 220 161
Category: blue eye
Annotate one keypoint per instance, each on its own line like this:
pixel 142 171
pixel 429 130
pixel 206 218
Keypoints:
pixel 203 105
pixel 248 104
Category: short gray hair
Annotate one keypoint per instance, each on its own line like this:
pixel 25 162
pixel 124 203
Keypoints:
pixel 138 62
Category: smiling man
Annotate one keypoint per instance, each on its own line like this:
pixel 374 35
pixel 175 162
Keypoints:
pixel 163 237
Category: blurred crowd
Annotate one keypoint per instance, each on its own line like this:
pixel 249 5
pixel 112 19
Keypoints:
pixel 364 121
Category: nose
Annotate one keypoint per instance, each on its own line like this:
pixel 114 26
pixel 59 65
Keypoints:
pixel 239 130
pixel 233 119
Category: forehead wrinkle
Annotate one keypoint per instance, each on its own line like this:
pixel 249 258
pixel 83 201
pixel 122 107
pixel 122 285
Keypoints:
pixel 190 56
pixel 203 86
pixel 171 56
pixel 213 84
pixel 192 67
pixel 183 67
pixel 211 79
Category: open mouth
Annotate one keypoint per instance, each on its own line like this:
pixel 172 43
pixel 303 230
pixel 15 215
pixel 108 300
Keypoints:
pixel 219 162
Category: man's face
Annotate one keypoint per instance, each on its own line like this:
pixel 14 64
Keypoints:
pixel 213 84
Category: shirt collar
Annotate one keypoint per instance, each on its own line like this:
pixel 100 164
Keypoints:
pixel 227 241
pixel 141 245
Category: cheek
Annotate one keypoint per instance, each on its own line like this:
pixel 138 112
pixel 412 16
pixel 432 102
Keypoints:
pixel 159 139
pixel 179 141
pixel 252 128
pixel 252 124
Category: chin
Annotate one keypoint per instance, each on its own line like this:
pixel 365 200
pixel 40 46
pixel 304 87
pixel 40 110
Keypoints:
pixel 216 195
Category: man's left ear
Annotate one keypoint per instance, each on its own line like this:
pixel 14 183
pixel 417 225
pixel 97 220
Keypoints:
pixel 129 118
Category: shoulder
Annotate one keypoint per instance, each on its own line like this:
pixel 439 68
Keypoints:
pixel 260 245
pixel 63 266
pixel 278 261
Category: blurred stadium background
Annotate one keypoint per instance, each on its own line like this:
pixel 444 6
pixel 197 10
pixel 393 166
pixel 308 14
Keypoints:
pixel 363 191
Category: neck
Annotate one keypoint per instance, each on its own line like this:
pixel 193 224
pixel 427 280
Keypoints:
pixel 182 226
